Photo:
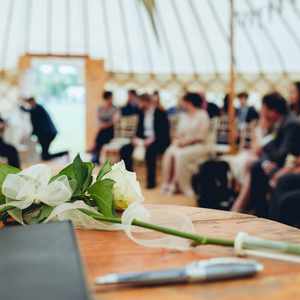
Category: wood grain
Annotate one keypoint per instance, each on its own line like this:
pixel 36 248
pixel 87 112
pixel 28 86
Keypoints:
pixel 106 252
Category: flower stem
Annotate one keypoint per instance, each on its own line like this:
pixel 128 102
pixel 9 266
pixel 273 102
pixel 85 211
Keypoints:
pixel 198 239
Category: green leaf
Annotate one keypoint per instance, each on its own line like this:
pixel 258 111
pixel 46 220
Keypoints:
pixel 45 211
pixel 106 168
pixel 102 193
pixel 16 214
pixel 79 174
pixel 4 171
pixel 89 178
pixel 80 171
pixel 68 171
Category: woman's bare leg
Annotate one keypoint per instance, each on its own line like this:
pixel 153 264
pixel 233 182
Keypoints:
pixel 243 197
pixel 167 166
pixel 241 201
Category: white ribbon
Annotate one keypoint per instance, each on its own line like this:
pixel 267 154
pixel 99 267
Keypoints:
pixel 71 211
pixel 157 216
pixel 136 211
pixel 33 185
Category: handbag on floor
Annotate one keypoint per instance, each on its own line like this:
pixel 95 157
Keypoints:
pixel 212 185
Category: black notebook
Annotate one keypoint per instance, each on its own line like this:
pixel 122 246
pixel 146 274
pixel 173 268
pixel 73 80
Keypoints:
pixel 41 262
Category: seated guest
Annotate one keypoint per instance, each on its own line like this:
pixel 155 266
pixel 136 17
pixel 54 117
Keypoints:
pixel 7 151
pixel 107 116
pixel 294 98
pixel 156 100
pixel 243 160
pixel 153 132
pixel 247 117
pixel 131 107
pixel 245 113
pixel 188 147
pixel 43 128
pixel 285 204
pixel 212 109
pixel 273 155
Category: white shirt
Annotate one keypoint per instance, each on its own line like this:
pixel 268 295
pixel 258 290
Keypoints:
pixel 149 123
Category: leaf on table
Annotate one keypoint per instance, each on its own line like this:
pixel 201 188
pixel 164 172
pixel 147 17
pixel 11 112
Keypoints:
pixel 16 214
pixel 80 172
pixel 45 212
pixel 89 178
pixel 32 216
pixel 106 168
pixel 102 193
pixel 4 171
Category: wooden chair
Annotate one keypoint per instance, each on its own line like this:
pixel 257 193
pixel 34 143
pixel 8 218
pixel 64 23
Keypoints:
pixel 246 135
pixel 124 131
pixel 173 125
pixel 221 128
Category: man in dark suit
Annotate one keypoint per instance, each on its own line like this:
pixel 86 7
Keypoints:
pixel 9 152
pixel 286 140
pixel 131 107
pixel 43 128
pixel 154 132
pixel 245 113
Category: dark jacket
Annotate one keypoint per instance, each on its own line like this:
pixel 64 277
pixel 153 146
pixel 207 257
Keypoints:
pixel 42 123
pixel 251 114
pixel 129 110
pixel 213 110
pixel 161 128
pixel 10 153
pixel 286 141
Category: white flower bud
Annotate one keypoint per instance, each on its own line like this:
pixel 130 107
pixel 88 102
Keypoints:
pixel 126 189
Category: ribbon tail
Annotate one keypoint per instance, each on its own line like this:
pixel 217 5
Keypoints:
pixel 157 216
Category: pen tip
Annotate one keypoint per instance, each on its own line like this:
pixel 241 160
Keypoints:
pixel 259 267
pixel 108 279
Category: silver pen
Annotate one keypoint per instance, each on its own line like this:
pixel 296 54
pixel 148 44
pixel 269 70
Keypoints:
pixel 208 270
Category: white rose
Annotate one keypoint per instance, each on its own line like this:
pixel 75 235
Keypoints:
pixel 126 189
pixel 33 185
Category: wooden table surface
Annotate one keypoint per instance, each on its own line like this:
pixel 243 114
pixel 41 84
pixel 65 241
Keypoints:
pixel 106 252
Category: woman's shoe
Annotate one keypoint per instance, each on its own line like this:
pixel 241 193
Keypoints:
pixel 172 189
pixel 189 193
pixel 164 189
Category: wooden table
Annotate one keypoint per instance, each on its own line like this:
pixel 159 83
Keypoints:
pixel 106 252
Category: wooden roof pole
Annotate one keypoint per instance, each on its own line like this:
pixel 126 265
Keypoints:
pixel 232 80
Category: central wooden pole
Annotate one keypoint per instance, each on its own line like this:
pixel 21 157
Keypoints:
pixel 232 79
